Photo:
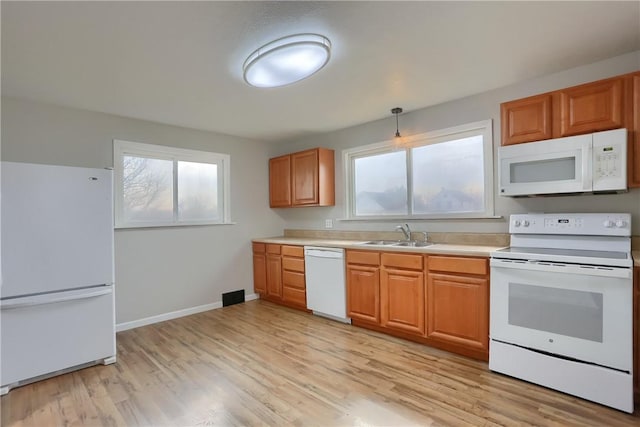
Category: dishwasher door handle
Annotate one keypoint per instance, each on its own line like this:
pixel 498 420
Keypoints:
pixel 324 253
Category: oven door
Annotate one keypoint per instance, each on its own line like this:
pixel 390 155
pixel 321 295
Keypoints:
pixel 580 312
pixel 556 166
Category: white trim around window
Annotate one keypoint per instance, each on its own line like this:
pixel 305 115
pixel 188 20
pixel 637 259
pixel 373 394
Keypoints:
pixel 407 145
pixel 216 183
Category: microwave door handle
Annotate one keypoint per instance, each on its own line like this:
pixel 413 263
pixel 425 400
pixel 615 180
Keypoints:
pixel 587 165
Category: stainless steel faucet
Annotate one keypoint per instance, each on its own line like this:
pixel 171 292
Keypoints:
pixel 405 230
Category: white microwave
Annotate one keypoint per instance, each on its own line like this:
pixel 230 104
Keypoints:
pixel 595 162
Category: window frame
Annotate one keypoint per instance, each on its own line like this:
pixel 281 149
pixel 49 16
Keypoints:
pixel 123 148
pixel 483 128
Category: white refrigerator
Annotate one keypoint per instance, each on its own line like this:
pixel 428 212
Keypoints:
pixel 57 283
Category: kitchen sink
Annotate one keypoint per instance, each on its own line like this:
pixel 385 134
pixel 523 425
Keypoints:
pixel 410 244
pixel 413 244
pixel 381 242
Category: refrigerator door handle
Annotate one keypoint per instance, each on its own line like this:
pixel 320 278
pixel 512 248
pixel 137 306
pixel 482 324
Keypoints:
pixel 54 298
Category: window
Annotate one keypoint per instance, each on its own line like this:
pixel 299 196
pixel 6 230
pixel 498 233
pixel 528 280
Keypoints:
pixel 442 174
pixel 163 186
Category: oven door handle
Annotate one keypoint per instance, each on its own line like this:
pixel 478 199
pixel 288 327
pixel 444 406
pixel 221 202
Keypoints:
pixel 557 267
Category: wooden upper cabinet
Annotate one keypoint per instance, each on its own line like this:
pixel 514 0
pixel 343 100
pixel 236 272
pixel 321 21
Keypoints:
pixel 304 174
pixel 634 135
pixel 310 179
pixel 592 107
pixel 280 181
pixel 526 120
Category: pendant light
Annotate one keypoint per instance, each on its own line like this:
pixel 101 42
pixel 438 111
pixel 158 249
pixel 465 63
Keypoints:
pixel 397 111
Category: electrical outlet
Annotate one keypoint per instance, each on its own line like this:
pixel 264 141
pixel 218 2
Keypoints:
pixel 328 223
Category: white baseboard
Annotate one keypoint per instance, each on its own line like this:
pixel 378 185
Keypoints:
pixel 251 297
pixel 175 314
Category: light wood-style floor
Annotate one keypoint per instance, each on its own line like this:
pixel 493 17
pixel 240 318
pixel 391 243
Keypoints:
pixel 262 364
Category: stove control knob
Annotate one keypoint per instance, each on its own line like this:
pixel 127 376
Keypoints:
pixel 516 223
pixel 621 223
pixel 608 223
pixel 525 223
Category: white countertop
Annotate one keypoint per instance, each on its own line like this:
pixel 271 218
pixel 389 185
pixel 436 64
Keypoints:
pixel 434 249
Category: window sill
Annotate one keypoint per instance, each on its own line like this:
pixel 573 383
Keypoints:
pixel 150 226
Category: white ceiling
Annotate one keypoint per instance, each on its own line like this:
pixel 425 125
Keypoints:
pixel 181 62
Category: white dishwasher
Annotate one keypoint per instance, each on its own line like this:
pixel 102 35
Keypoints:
pixel 324 274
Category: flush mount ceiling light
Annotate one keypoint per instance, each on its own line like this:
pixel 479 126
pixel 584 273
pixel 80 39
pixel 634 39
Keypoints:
pixel 286 60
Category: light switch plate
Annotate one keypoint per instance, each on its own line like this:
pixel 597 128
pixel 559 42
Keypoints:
pixel 328 223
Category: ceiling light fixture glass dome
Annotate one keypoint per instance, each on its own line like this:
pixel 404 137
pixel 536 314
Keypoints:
pixel 287 60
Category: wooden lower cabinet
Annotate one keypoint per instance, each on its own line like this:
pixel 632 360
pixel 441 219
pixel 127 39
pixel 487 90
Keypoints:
pixel 402 293
pixel 458 310
pixel 442 301
pixel 458 304
pixel 259 268
pixel 274 276
pixel 278 274
pixel 294 289
pixel 363 286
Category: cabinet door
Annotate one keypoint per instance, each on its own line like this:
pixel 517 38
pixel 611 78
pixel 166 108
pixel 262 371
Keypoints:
pixel 304 174
pixel 634 140
pixel 402 300
pixel 458 310
pixel 274 276
pixel 260 273
pixel 363 293
pixel 280 181
pixel 259 267
pixel 591 107
pixel 526 120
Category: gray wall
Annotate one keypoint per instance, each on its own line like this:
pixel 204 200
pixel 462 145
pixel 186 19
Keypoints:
pixel 158 270
pixel 161 270
pixel 474 108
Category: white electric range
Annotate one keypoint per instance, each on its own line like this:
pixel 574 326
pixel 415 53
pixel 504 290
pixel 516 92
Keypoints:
pixel 561 305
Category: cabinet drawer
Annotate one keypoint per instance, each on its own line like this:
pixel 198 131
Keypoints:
pixel 293 251
pixel 259 247
pixel 363 257
pixel 293 264
pixel 458 265
pixel 273 249
pixel 295 296
pixel 292 279
pixel 413 262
